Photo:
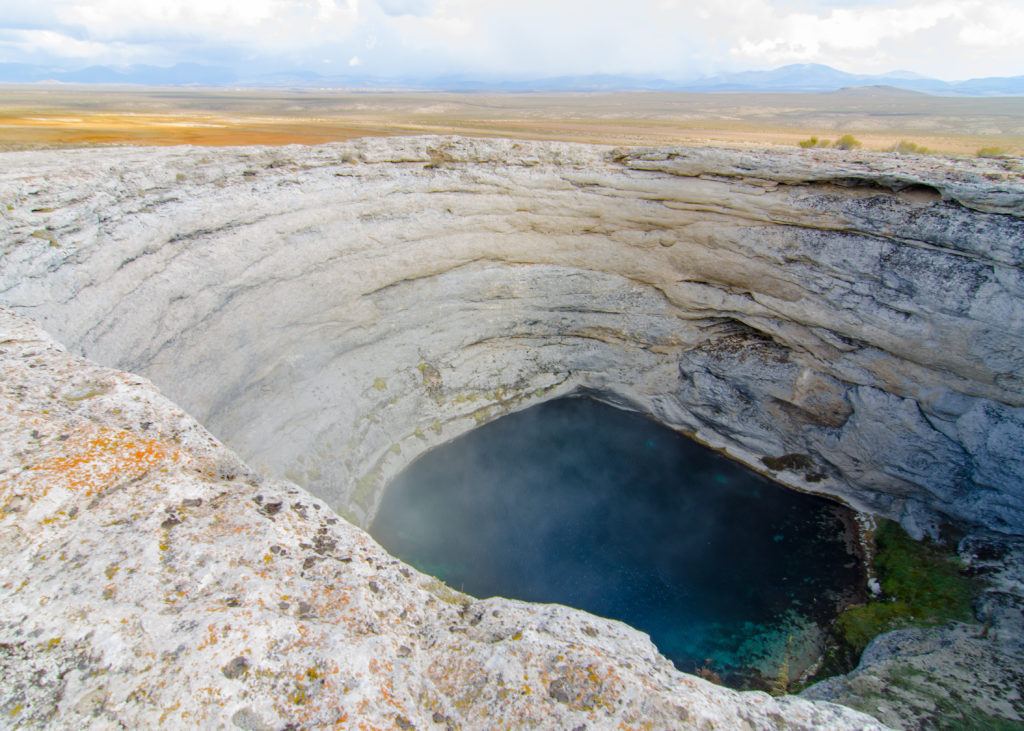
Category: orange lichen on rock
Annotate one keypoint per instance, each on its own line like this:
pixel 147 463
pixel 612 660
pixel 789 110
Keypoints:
pixel 99 459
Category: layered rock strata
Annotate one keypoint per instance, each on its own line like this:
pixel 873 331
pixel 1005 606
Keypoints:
pixel 850 324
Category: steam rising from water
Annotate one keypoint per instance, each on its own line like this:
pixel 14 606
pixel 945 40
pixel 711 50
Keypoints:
pixel 582 504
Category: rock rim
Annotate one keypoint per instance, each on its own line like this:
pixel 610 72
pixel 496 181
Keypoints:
pixel 847 323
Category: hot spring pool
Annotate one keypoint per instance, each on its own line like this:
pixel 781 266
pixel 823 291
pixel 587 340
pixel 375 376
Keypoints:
pixel 583 504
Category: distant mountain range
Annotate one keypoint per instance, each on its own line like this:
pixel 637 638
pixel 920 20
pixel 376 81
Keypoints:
pixel 792 78
pixel 817 77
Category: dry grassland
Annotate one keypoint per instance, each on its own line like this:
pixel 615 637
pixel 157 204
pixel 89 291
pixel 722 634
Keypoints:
pixel 57 115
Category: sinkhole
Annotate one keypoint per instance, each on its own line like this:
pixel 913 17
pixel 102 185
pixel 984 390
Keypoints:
pixel 579 503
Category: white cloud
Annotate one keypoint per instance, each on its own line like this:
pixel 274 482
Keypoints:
pixel 36 44
pixel 354 61
pixel 997 25
pixel 806 36
pixel 671 38
pixel 406 7
pixel 265 25
pixel 945 38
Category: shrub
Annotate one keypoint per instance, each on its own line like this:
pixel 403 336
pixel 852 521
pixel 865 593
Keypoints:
pixel 814 142
pixel 847 142
pixel 992 152
pixel 906 147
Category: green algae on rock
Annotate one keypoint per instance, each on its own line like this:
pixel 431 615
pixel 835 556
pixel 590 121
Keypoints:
pixel 922 584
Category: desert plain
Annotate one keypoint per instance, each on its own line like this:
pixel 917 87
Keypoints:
pixel 52 115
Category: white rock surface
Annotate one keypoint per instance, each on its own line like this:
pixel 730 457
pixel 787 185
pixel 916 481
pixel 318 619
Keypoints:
pixel 149 579
pixel 332 312
pixel 848 323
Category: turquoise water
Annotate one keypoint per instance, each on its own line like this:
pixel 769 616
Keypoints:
pixel 582 504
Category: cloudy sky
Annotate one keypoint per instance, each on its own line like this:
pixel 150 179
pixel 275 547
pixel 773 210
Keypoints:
pixel 675 39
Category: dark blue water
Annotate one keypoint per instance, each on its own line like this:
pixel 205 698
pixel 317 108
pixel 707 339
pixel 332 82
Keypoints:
pixel 579 503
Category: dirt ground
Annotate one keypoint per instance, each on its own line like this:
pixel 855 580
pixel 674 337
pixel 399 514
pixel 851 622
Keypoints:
pixel 61 115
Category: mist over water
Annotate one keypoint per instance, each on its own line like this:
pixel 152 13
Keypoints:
pixel 582 504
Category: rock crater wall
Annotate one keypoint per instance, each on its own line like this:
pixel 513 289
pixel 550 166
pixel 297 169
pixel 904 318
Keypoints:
pixel 847 323
pixel 149 579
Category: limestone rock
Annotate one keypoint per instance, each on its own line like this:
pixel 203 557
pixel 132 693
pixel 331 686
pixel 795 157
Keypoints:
pixel 148 578
pixel 848 323
pixel 332 312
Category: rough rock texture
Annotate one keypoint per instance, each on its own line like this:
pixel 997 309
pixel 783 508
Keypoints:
pixel 332 312
pixel 960 676
pixel 148 578
pixel 847 323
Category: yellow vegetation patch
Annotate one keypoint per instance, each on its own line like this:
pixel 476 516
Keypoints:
pixel 100 459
